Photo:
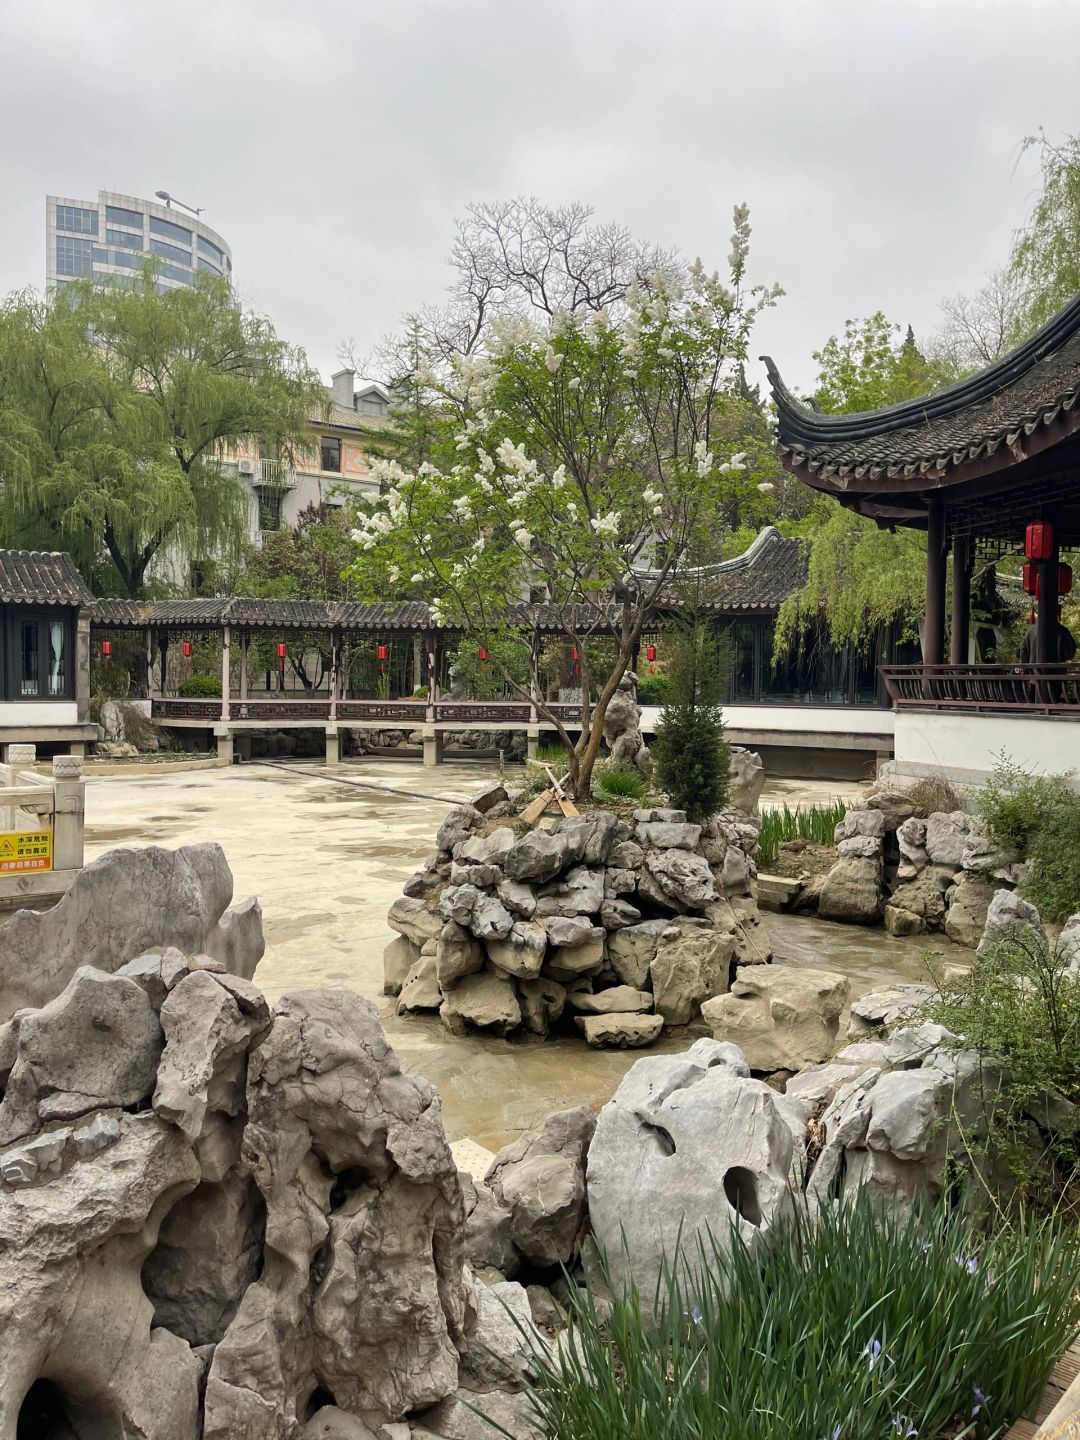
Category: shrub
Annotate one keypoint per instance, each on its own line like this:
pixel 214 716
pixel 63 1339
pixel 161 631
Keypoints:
pixel 1019 1004
pixel 693 762
pixel 849 1328
pixel 816 823
pixel 653 689
pixel 200 687
pixel 934 795
pixel 138 730
pixel 1038 817
pixel 613 783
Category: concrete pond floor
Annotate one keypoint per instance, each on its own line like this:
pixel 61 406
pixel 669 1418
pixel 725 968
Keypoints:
pixel 327 851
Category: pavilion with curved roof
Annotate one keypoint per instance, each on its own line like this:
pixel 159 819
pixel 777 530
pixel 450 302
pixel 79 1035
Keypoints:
pixel 974 465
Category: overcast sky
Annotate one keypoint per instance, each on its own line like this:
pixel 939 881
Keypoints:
pixel 333 143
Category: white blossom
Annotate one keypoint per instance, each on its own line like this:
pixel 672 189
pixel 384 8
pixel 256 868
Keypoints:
pixel 463 506
pixel 552 359
pixel 651 496
pixel 523 537
pixel 704 458
pixel 766 487
pixel 607 524
pixel 574 383
pixel 558 478
pixel 418 578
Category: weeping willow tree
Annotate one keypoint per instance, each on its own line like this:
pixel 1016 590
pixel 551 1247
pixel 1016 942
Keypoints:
pixel 116 406
pixel 1046 252
pixel 860 577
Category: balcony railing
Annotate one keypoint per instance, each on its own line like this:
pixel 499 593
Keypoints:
pixel 1031 689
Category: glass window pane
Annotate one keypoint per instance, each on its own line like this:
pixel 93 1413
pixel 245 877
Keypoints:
pixel 202 264
pixel 169 230
pixel 170 252
pixel 209 248
pixel 29 658
pixel 174 272
pixel 73 257
pixel 330 453
pixel 73 217
pixel 119 216
pixel 122 237
pixel 743 666
pixel 56 657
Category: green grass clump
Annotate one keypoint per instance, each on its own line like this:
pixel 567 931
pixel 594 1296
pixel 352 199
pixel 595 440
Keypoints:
pixel 1037 817
pixel 816 822
pixel 613 783
pixel 861 1326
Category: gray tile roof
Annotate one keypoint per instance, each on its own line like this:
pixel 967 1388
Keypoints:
pixel 989 417
pixel 41 577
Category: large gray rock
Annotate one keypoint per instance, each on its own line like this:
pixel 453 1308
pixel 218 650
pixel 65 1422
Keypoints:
pixel 920 904
pixel 868 824
pixel 1008 916
pixel 687 1146
pixel 911 842
pixel 579 892
pixel 631 950
pixel 620 1031
pixel 747 780
pixel 879 1011
pixel 852 891
pixel 421 990
pixel 124 904
pixel 782 1017
pixel 412 918
pixel 663 835
pixel 487 1229
pixel 522 952
pixel 680 879
pixel 96 1045
pixel 208 1030
pixel 946 837
pixel 540 855
pixel 616 1000
pixel 457 954
pixel 502 1340
pixel 458 824
pixel 361 1291
pixel 622 728
pixel 540 1179
pixel 688 968
pixel 72 1303
pixel 969 903
pixel 487 1001
pixel 482 914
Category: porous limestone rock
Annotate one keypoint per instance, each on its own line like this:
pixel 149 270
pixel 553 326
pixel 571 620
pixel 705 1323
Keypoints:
pixel 617 999
pixel 895 806
pixel 208 1029
pixel 1009 915
pixel 421 990
pixel 539 855
pixel 457 954
pixel 782 1017
pixel 851 891
pixel 946 836
pixel 413 919
pixel 879 1011
pixel 664 835
pixel 620 1032
pixel 969 903
pixel 540 1179
pixel 94 1046
pixel 519 898
pixel 458 824
pixel 631 950
pixel 687 1146
pixel 747 780
pixel 679 879
pixel 920 904
pixel 622 728
pixel 522 951
pixel 485 1000
pixel 482 914
pixel 542 1002
pixel 579 892
pixel 122 905
pixel 869 824
pixel 486 799
pixel 862 847
pixel 488 1245
pixel 911 842
pixel 362 1291
pixel 688 968
pixel 502 1340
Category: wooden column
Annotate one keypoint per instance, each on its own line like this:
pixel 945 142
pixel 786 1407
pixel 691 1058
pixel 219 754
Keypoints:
pixel 934 641
pixel 1046 617
pixel 961 600
pixel 335 671
pixel 149 663
pixel 244 638
pixel 163 645
pixel 432 674
pixel 226 677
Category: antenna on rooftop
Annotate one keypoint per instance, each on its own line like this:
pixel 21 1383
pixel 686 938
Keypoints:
pixel 171 200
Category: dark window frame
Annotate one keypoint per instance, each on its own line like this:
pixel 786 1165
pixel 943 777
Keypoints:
pixel 324 441
pixel 12 618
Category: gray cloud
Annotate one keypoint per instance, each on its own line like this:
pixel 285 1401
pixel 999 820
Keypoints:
pixel 333 143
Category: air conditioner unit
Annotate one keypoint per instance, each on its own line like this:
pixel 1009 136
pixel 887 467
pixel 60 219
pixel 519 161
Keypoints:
pixel 246 467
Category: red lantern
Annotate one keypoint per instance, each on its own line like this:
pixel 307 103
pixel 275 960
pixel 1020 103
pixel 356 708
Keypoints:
pixel 185 648
pixel 1064 579
pixel 650 652
pixel 281 650
pixel 106 648
pixel 382 652
pixel 1030 578
pixel 482 653
pixel 574 654
pixel 1039 540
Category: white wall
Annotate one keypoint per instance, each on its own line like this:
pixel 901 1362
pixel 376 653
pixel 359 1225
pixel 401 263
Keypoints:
pixel 43 712
pixel 966 747
pixel 795 719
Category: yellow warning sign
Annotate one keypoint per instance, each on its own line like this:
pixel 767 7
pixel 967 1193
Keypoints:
pixel 22 851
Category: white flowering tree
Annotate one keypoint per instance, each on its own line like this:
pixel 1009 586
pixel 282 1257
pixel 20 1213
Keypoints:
pixel 582 468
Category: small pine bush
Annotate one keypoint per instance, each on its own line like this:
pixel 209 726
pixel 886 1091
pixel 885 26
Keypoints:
pixel 693 762
pixel 200 687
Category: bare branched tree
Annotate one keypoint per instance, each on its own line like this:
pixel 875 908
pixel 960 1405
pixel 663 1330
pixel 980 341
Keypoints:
pixel 978 329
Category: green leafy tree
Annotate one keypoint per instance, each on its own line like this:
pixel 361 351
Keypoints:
pixel 1046 254
pixel 868 368
pixel 693 762
pixel 118 404
pixel 586 467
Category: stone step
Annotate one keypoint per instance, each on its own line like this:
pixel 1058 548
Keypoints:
pixel 776 892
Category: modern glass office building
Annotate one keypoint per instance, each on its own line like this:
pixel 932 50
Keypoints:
pixel 108 239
